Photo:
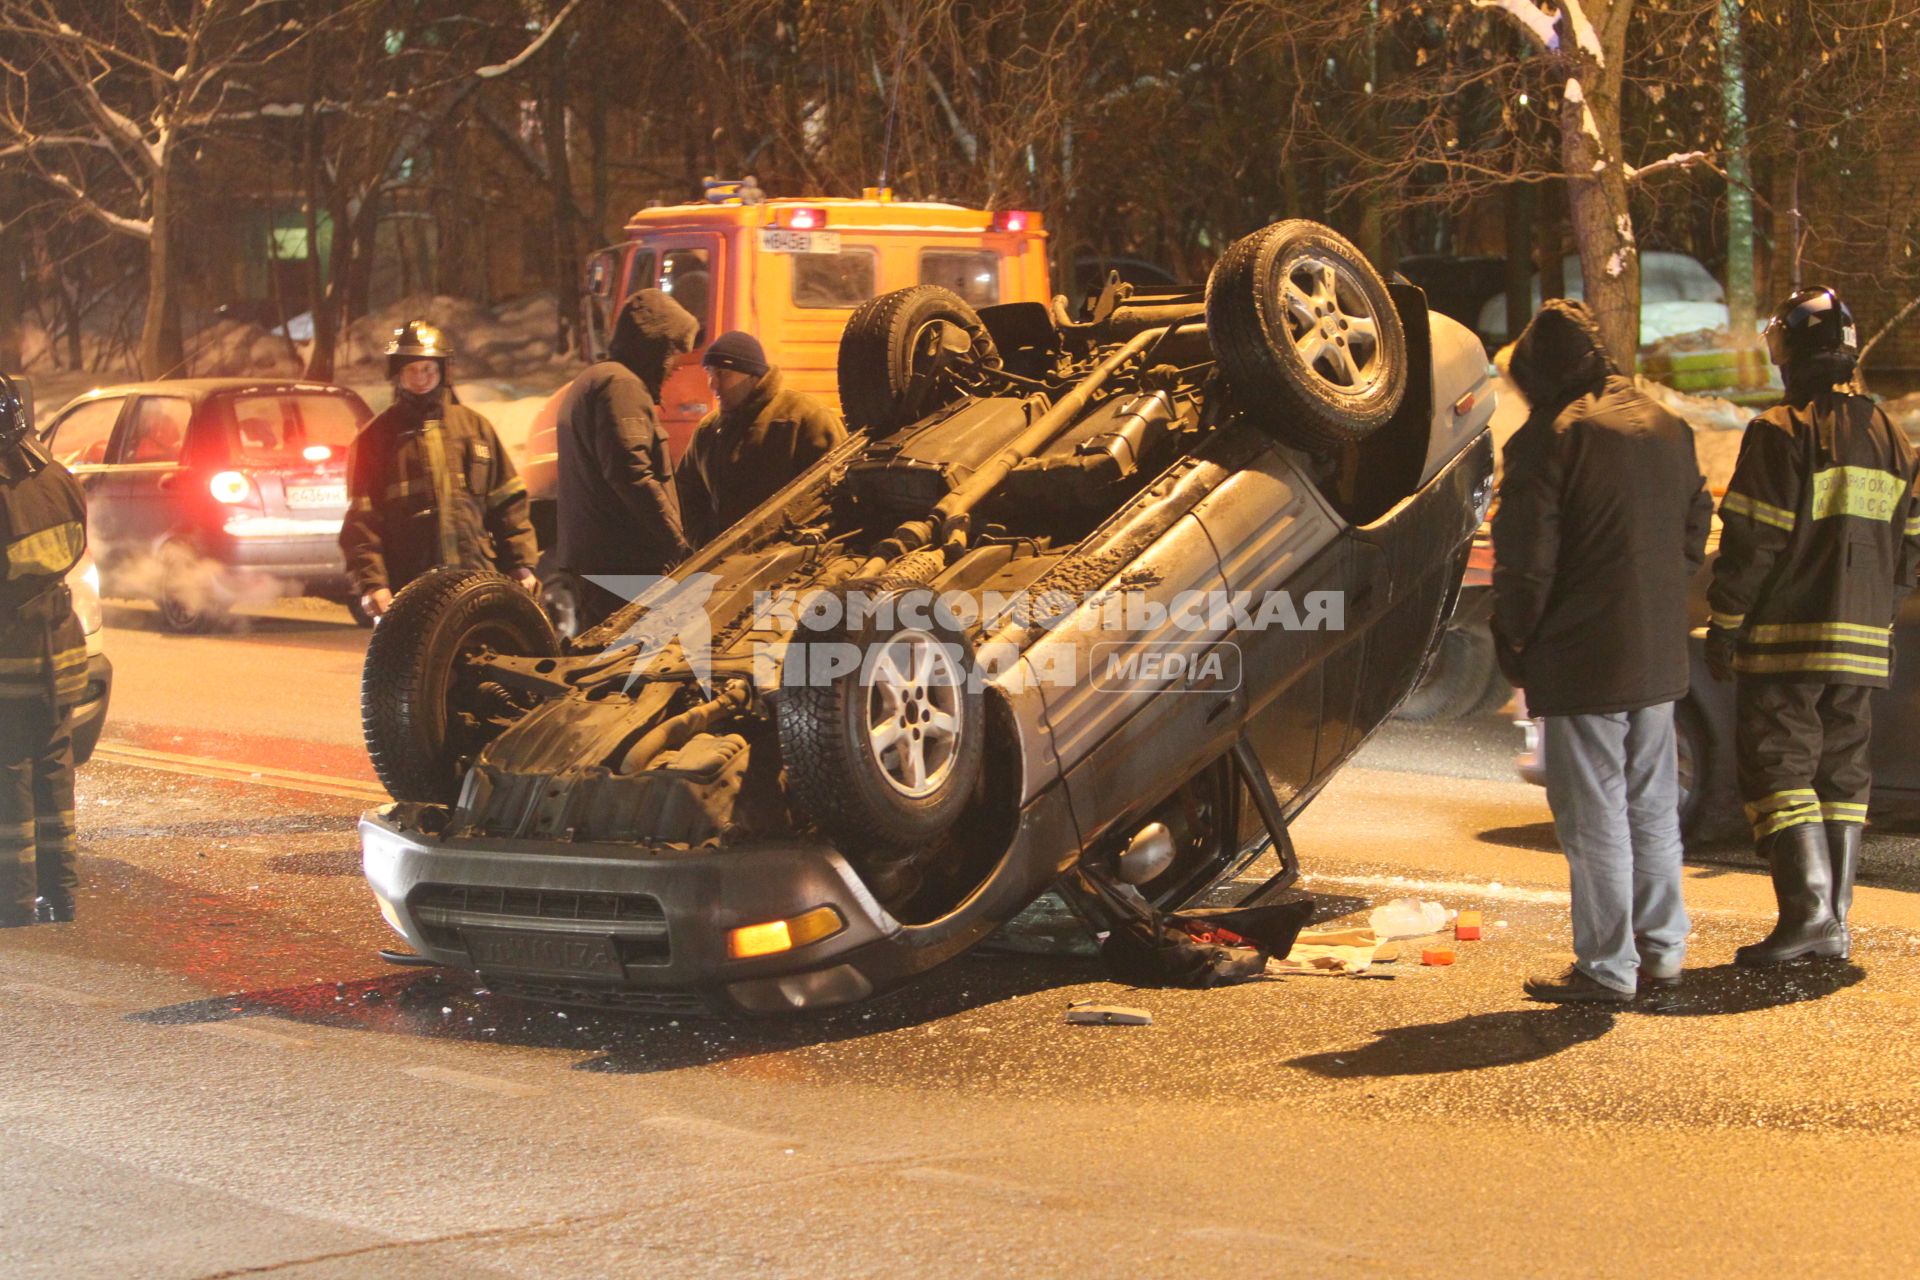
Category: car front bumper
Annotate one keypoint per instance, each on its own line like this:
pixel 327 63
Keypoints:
pixel 618 927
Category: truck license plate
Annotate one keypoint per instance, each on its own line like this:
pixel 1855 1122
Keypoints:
pixel 529 952
pixel 781 240
pixel 317 495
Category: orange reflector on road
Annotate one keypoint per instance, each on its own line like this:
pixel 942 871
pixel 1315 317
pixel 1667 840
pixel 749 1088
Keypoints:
pixel 783 935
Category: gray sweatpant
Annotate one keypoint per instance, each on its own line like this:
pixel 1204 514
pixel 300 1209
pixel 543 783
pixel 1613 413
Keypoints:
pixel 1615 796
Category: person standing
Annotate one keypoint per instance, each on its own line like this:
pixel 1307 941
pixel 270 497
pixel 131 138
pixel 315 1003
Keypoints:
pixel 1820 543
pixel 43 673
pixel 759 436
pixel 1602 521
pixel 428 483
pixel 618 514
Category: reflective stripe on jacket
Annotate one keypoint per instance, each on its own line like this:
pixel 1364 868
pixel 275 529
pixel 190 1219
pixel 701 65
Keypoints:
pixel 1821 542
pixel 43 524
pixel 426 491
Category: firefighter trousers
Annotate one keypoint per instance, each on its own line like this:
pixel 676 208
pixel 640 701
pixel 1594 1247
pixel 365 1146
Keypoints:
pixel 1802 753
pixel 38 851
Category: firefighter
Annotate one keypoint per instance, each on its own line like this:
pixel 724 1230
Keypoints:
pixel 43 673
pixel 617 512
pixel 760 435
pixel 429 484
pixel 1821 542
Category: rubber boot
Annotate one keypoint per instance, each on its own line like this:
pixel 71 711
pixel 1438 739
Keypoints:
pixel 1843 843
pixel 1803 886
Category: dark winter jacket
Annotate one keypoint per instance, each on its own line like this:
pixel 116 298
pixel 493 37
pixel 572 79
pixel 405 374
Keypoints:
pixel 616 509
pixel 43 530
pixel 738 458
pixel 428 485
pixel 1602 520
pixel 1819 543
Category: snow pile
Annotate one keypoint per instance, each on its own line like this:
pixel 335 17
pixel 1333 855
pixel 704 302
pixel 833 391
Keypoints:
pixel 507 341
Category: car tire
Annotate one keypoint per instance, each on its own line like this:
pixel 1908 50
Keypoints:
pixel 884 757
pixel 187 595
pixel 424 720
pixel 884 347
pixel 1456 681
pixel 1310 343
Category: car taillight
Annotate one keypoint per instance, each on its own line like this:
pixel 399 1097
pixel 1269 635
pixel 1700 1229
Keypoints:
pixel 803 219
pixel 230 487
pixel 1012 220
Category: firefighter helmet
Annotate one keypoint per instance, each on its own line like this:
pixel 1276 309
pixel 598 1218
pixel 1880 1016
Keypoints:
pixel 13 414
pixel 417 340
pixel 1812 322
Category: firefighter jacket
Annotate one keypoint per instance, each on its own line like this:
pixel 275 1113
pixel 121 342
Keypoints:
pixel 1820 542
pixel 1602 523
pixel 43 524
pixel 738 458
pixel 430 485
pixel 617 513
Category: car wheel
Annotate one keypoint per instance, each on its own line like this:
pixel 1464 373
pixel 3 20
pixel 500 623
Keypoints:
pixel 1311 344
pixel 1456 679
pixel 425 711
pixel 882 722
pixel 187 590
pixel 906 353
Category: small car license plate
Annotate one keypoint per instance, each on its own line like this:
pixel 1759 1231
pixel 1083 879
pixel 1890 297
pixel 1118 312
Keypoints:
pixel 316 495
pixel 530 952
pixel 781 240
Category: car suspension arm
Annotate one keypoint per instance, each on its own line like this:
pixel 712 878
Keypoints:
pixel 1254 775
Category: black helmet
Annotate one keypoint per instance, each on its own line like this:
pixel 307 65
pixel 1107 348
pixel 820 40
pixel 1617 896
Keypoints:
pixel 1813 322
pixel 417 340
pixel 13 414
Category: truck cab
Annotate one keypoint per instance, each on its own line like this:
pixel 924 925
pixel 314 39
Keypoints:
pixel 790 272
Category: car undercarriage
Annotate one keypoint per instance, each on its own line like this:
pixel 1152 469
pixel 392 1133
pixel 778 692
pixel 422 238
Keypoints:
pixel 1097 601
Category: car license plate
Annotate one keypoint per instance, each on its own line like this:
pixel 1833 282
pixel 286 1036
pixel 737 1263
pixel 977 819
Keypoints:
pixel 530 952
pixel 781 240
pixel 316 495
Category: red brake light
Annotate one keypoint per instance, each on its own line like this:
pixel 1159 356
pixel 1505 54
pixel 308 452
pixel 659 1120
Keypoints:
pixel 1012 220
pixel 230 487
pixel 804 219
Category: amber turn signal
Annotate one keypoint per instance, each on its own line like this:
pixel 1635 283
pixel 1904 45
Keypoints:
pixel 783 935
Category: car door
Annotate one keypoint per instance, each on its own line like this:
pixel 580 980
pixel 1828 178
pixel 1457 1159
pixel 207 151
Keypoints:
pixel 81 440
pixel 146 488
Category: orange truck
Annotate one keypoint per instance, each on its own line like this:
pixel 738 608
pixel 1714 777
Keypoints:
pixel 790 272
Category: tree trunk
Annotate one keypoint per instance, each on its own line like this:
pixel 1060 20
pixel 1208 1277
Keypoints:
pixel 1520 212
pixel 1597 204
pixel 1740 299
pixel 161 351
pixel 12 286
pixel 1550 239
pixel 566 256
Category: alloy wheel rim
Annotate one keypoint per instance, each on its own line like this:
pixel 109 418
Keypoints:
pixel 913 712
pixel 1328 321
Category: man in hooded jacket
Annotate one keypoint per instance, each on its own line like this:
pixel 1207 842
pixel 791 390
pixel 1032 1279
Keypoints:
pixel 617 514
pixel 1602 521
pixel 1820 542
pixel 760 436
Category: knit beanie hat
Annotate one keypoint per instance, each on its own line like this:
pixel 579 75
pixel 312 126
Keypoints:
pixel 738 351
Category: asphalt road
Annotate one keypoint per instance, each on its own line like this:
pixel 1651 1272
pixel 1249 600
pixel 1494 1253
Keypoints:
pixel 211 1074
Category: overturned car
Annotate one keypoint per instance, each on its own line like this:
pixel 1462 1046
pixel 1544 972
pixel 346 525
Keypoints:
pixel 1102 600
